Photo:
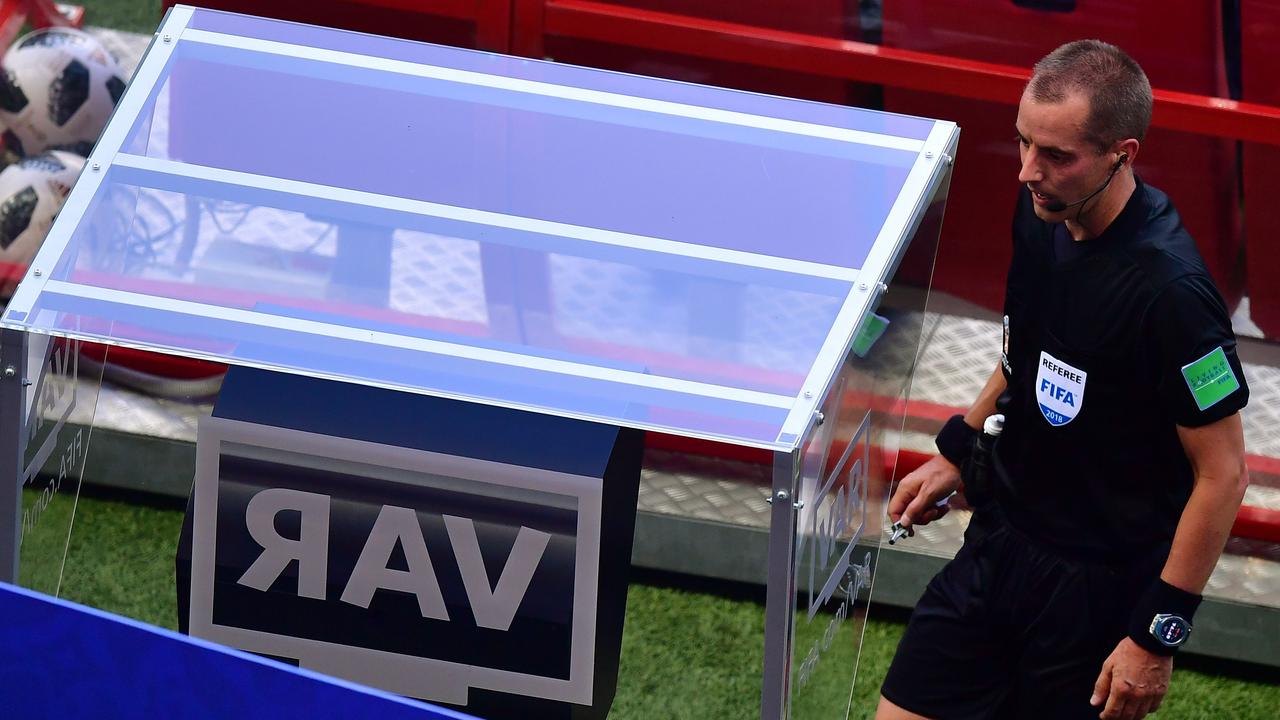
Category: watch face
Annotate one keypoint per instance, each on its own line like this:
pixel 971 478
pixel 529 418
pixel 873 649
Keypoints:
pixel 1170 630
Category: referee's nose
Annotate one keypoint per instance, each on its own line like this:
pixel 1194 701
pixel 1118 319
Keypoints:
pixel 1030 172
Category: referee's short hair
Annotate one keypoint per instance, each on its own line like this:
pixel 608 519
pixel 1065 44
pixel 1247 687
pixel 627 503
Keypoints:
pixel 1118 91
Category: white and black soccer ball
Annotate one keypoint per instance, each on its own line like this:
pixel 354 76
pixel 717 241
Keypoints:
pixel 57 91
pixel 32 192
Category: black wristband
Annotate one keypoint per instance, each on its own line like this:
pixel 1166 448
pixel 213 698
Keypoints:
pixel 955 441
pixel 1161 620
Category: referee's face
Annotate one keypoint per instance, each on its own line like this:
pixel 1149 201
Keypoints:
pixel 1059 164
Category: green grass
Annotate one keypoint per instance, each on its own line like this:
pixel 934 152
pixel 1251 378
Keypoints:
pixel 121 558
pixel 691 649
pixel 140 16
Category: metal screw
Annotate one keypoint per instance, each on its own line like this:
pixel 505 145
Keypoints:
pixel 928 156
pixel 167 38
pixel 819 418
pixel 26 382
pixel 782 496
pixel 862 287
pixel 96 167
pixel 37 272
pixel 799 504
pixel 808 393
pixel 948 159
pixel 883 288
pixel 10 371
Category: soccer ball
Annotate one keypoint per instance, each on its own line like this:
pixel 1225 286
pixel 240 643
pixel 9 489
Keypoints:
pixel 57 91
pixel 31 194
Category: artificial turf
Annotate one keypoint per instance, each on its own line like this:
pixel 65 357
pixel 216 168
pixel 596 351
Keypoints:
pixel 691 648
pixel 139 16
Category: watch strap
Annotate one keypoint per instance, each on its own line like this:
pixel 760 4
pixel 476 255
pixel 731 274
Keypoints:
pixel 1162 603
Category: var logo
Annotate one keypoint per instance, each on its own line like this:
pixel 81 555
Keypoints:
pixel 417 572
pixel 1059 389
pixel 52 398
pixel 395 527
pixel 834 518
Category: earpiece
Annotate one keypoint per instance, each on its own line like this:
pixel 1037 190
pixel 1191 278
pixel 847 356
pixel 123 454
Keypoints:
pixel 1059 206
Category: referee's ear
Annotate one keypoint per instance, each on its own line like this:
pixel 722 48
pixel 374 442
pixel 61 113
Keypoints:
pixel 1125 153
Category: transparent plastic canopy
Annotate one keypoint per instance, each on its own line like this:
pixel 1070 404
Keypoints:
pixel 636 251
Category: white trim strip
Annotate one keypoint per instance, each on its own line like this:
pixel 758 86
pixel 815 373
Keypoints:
pixel 532 87
pixel 858 304
pixel 154 62
pixel 910 204
pixel 437 347
pixel 483 217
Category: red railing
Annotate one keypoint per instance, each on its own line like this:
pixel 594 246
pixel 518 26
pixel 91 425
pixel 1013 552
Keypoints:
pixel 850 60
pixel 1254 523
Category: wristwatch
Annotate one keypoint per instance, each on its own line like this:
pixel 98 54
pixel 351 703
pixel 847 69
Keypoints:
pixel 1170 630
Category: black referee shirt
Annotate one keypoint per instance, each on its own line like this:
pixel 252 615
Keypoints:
pixel 1109 345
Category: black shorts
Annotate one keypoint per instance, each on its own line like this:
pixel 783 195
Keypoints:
pixel 1009 629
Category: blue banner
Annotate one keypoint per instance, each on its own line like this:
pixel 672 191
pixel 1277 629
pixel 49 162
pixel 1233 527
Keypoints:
pixel 63 660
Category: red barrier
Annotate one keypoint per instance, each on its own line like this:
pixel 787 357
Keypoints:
pixel 170 366
pixel 1260 64
pixel 479 24
pixel 537 35
pixel 1179 51
pixel 46 13
pixel 13 14
pixel 1257 524
pixel 863 62
pixel 1254 523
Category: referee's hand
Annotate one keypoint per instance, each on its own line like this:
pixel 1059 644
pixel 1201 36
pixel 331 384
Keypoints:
pixel 915 500
pixel 1133 682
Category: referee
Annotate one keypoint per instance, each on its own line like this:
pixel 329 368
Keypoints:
pixel 1121 466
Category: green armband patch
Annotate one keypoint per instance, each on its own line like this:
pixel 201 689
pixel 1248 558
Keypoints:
pixel 1210 378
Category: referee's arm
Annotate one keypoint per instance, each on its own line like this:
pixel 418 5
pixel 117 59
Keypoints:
pixel 1216 452
pixel 914 502
pixel 1133 681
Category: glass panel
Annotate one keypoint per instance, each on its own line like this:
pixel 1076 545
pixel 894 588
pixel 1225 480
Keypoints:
pixel 897 125
pixel 120 554
pixel 586 243
pixel 846 471
pixel 229 276
pixel 60 395
pixel 610 161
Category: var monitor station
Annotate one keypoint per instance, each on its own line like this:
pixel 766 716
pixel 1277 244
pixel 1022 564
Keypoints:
pixel 460 352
